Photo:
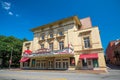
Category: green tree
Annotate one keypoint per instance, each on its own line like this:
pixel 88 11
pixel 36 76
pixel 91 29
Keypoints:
pixel 8 44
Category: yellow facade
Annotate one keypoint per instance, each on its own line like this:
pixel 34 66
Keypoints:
pixel 69 31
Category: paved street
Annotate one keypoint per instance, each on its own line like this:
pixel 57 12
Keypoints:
pixel 56 75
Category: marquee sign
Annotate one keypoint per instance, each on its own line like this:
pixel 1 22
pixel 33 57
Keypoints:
pixel 48 52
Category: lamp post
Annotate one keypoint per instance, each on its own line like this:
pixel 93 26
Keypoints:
pixel 10 61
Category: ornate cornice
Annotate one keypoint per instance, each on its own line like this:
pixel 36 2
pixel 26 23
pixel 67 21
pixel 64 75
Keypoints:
pixel 60 38
pixel 50 40
pixel 41 41
pixel 75 18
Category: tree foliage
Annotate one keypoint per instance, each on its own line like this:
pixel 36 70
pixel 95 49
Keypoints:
pixel 8 45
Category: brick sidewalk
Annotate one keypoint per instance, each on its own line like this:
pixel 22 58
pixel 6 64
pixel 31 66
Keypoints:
pixel 64 71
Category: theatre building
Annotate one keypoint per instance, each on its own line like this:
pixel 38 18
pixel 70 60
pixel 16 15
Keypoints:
pixel 67 44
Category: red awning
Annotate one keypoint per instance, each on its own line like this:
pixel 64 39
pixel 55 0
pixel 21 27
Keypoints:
pixel 24 59
pixel 27 51
pixel 89 56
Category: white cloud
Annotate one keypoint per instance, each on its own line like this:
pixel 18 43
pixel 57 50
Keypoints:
pixel 10 13
pixel 6 5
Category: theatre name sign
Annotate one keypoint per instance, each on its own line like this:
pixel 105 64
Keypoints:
pixel 47 52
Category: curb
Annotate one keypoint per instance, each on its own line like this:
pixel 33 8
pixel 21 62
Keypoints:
pixel 65 71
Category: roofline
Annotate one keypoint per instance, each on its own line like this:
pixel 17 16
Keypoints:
pixel 58 22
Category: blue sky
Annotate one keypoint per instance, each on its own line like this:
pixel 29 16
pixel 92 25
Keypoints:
pixel 17 17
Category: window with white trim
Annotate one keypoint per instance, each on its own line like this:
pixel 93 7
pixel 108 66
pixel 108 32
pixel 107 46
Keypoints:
pixel 51 35
pixel 61 45
pixel 43 37
pixel 60 33
pixel 51 46
pixel 86 42
pixel 42 46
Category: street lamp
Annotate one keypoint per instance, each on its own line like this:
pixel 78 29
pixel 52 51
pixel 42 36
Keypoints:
pixel 10 61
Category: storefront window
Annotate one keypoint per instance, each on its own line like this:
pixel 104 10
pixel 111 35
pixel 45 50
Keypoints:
pixel 95 62
pixel 65 65
pixel 72 61
pixel 33 62
pixel 84 63
pixel 43 65
pixel 38 63
pixel 89 62
pixel 26 64
pixel 58 65
pixel 50 64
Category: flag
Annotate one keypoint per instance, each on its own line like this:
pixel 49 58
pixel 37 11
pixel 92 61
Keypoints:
pixel 70 47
